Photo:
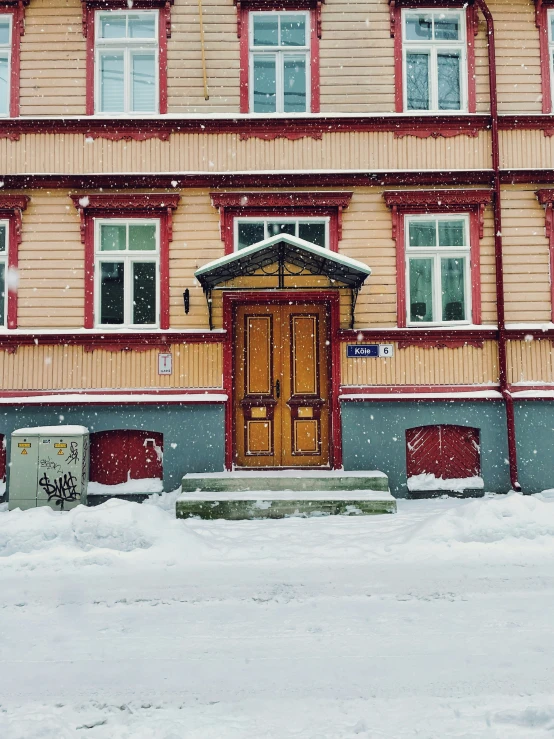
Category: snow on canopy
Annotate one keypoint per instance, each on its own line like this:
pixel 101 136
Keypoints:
pixel 288 248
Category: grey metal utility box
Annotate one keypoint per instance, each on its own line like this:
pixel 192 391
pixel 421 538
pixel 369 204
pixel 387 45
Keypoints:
pixel 49 465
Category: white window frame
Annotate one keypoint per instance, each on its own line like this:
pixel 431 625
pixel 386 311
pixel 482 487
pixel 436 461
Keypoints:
pixel 127 47
pixel 277 219
pixel 6 51
pixel 128 257
pixel 433 47
pixel 4 259
pixel 280 52
pixel 436 252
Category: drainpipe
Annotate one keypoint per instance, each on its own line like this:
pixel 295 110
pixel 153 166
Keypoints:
pixel 502 346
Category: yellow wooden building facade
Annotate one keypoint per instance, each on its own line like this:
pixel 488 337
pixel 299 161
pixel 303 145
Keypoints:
pixel 141 146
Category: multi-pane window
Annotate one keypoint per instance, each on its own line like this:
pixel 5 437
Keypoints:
pixel 251 230
pixel 438 269
pixel 3 273
pixel 127 62
pixel 279 62
pixel 5 63
pixel 127 272
pixel 435 60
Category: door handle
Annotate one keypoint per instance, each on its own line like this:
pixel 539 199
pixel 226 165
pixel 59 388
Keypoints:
pixel 278 389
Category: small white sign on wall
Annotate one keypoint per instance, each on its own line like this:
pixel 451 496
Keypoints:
pixel 165 364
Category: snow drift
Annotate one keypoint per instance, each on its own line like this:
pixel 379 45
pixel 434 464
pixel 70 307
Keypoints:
pixel 116 525
pixel 492 519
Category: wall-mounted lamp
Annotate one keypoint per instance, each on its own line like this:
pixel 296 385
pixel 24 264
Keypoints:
pixel 186 300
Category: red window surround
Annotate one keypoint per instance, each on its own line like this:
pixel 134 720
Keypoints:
pixel 395 7
pixel 233 205
pixel 157 205
pixel 541 21
pixel 11 208
pixel 546 199
pixel 89 8
pixel 243 9
pixel 408 202
pixel 16 8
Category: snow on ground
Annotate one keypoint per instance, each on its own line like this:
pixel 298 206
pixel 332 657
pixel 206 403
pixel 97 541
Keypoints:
pixel 144 485
pixel 120 622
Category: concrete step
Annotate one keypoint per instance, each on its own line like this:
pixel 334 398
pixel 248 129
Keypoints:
pixel 284 493
pixel 297 480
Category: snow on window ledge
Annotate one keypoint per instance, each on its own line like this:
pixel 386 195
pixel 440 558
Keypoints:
pixel 428 482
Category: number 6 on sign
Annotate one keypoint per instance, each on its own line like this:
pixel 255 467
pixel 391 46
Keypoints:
pixel 386 350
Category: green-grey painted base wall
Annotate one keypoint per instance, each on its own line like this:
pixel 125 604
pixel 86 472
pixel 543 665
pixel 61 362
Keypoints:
pixel 535 445
pixel 193 434
pixel 374 436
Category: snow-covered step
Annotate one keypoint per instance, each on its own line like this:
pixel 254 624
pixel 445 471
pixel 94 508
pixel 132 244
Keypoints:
pixel 282 504
pixel 294 480
pixel 252 494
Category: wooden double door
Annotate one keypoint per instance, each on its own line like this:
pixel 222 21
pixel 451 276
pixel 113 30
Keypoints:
pixel 281 389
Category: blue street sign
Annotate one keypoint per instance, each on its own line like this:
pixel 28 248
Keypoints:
pixel 363 350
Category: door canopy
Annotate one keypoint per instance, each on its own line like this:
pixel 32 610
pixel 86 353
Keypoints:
pixel 281 256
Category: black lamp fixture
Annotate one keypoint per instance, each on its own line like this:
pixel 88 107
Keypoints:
pixel 186 300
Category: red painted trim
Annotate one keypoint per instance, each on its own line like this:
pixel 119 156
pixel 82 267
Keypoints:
pixel 280 199
pixel 11 208
pixel 523 122
pixel 126 206
pixel 164 273
pixel 13 261
pixel 475 234
pixel 397 389
pixel 334 374
pixel 436 200
pixel 18 29
pixel 180 399
pixel 88 28
pixel 541 20
pixel 87 223
pixel 244 59
pixel 498 248
pixel 315 31
pixel 88 393
pixel 123 341
pixel 395 9
pixel 406 202
pixel 399 236
pixel 89 8
pixel 164 31
pixel 233 205
pixel 471 32
pixel 230 301
pixel 314 126
pixel 400 399
pixel 546 199
pixel 265 179
pixel 416 336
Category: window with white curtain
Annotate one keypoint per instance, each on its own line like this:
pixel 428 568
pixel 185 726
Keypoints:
pixel 434 59
pixel 279 62
pixel 5 63
pixel 126 57
pixel 4 231
pixel 127 266
pixel 438 269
